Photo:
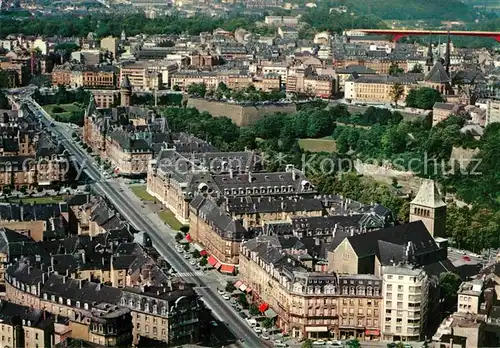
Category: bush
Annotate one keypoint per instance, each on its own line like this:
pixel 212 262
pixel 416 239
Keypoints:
pixel 230 286
pixel 254 310
pixel 23 189
pixel 57 109
pixel 184 228
pixel 203 261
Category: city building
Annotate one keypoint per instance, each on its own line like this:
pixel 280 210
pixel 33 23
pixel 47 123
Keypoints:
pixel 405 307
pixel 110 44
pixel 376 88
pixel 305 303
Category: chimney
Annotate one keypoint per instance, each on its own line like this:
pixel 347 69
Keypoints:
pixel 44 278
pixel 250 177
pixel 103 260
pixel 64 279
pixel 80 281
pixel 231 175
pixel 29 269
pixel 98 287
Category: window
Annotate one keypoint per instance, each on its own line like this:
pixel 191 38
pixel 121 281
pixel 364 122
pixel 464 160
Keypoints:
pixel 86 306
pixel 68 302
pixel 36 335
pixel 389 287
pixel 45 296
pixel 400 287
pixel 77 304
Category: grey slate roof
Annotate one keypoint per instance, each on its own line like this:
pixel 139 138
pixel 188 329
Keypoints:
pixel 438 74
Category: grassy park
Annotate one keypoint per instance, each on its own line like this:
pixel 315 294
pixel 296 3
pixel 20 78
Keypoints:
pixel 318 145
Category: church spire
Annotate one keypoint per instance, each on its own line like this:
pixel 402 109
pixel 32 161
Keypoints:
pixel 447 59
pixel 430 57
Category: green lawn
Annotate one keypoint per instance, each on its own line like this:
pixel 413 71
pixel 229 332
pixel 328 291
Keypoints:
pixel 38 200
pixel 318 145
pixel 140 191
pixel 170 219
pixel 62 116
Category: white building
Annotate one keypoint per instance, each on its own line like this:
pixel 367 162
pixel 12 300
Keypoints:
pixel 405 309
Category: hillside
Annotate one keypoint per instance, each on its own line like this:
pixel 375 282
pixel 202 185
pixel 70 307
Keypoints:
pixel 408 9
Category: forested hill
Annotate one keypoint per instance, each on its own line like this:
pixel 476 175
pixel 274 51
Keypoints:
pixel 406 9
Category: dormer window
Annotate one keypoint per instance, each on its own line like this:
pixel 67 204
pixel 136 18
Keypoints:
pixel 86 306
pixel 45 296
pixel 77 304
pixel 68 302
pixel 60 300
pixel 53 298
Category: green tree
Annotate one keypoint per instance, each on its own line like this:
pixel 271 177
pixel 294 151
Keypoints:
pixel 4 101
pixel 353 343
pixel 267 323
pixel 397 91
pixel 395 70
pixel 178 237
pixel 448 284
pixel 23 189
pixel 242 299
pixel 196 254
pixel 187 247
pixel 176 88
pixel 230 286
pixel 307 344
pixel 197 89
pixel 203 262
pixel 423 98
pixel 417 68
pixel 253 310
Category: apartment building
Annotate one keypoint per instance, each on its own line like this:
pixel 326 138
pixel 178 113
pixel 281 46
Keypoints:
pixel 98 77
pixel 105 98
pixel 106 315
pixel 344 73
pixel 441 111
pixel 61 75
pixel 405 306
pixel 308 304
pixel 148 76
pixel 24 326
pixel 128 148
pixel 110 44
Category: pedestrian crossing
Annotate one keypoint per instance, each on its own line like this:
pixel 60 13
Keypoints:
pixel 190 274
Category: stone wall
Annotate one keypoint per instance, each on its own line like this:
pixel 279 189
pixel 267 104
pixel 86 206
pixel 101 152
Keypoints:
pixel 242 115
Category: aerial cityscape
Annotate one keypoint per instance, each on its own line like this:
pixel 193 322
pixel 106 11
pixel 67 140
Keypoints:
pixel 250 173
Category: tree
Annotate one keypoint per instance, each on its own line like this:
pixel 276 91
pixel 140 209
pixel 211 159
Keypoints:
pixel 184 228
pixel 197 89
pixel 187 247
pixel 353 344
pixel 4 101
pixel 417 68
pixel 307 344
pixel 74 135
pixel 267 323
pixel 397 91
pixel 176 88
pixel 423 98
pixel 203 261
pixel 242 299
pixel 448 284
pixel 230 286
pixel 178 237
pixel 253 310
pixel 196 254
pixel 395 70
pixel 6 190
pixel 23 189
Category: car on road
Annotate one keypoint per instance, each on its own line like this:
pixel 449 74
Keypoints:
pixel 221 292
pixel 334 343
pixel 257 330
pixel 192 262
pixel 225 297
pixel 319 343
pixel 186 256
pixel 265 337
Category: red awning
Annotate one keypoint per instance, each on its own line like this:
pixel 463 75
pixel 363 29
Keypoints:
pixel 212 260
pixel 203 253
pixel 217 265
pixel 188 238
pixel 227 269
pixel 238 284
pixel 263 307
pixel 372 332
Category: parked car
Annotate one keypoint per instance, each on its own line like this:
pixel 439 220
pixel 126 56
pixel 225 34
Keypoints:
pixel 221 292
pixel 225 297
pixel 265 337
pixel 257 330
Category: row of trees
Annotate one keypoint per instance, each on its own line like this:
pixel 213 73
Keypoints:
pixel 248 94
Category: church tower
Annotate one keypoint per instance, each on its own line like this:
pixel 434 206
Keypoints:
pixel 447 57
pixel 125 91
pixel 429 208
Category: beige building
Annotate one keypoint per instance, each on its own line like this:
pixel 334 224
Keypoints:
pixel 309 304
pixel 469 296
pixel 405 309
pixel 376 88
pixel 428 207
pixel 110 44
pixel 441 112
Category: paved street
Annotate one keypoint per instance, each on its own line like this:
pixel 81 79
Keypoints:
pixel 161 235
